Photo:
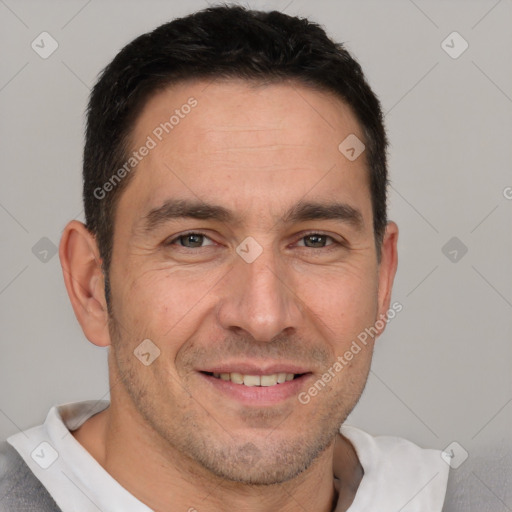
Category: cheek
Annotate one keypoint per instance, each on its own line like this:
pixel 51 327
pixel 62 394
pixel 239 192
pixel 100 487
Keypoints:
pixel 161 304
pixel 344 304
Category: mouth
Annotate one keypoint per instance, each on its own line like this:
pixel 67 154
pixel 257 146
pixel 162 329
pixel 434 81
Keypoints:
pixel 257 387
pixel 255 383
pixel 273 379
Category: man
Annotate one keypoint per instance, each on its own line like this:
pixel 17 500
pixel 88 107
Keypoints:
pixel 238 261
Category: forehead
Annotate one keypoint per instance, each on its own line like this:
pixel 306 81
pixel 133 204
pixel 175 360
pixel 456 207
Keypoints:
pixel 246 144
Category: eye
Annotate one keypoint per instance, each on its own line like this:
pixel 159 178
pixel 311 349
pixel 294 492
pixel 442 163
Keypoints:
pixel 197 240
pixel 317 240
pixel 191 240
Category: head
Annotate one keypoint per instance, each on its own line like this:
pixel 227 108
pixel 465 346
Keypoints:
pixel 225 224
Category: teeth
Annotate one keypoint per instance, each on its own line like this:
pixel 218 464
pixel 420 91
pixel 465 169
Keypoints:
pixel 281 377
pixel 255 380
pixel 237 378
pixel 252 380
pixel 268 380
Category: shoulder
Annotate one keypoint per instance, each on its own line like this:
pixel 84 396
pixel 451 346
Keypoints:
pixel 483 482
pixel 12 470
pixel 400 473
pixel 394 453
pixel 20 490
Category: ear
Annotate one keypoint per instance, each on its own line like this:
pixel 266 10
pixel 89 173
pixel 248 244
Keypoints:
pixel 83 276
pixel 387 271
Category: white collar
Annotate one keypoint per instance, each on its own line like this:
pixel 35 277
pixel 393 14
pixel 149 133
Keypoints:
pixel 75 480
pixel 398 475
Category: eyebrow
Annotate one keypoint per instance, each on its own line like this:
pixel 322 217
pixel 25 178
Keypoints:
pixel 300 212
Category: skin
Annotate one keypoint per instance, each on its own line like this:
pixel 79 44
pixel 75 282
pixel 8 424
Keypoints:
pixel 169 436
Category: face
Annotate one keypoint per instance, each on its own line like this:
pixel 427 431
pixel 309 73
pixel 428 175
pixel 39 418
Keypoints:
pixel 244 251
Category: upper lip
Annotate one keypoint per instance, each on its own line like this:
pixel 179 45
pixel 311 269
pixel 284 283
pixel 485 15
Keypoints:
pixel 248 368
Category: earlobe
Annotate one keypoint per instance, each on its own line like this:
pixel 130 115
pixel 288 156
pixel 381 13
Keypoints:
pixel 83 277
pixel 387 269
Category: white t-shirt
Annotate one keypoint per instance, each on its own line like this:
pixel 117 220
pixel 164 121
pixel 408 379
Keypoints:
pixel 398 475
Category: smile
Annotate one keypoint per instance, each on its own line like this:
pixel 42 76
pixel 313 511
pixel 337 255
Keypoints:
pixel 255 380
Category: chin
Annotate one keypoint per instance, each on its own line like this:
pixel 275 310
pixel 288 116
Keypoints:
pixel 265 464
pixel 261 474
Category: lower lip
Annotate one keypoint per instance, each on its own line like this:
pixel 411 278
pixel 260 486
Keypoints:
pixel 258 395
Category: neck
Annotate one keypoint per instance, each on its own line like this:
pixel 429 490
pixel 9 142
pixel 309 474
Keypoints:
pixel 162 478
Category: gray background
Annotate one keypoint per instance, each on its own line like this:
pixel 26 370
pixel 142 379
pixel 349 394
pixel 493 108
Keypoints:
pixel 443 369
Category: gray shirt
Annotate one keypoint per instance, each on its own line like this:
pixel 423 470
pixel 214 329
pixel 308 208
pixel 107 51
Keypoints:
pixel 483 483
pixel 20 490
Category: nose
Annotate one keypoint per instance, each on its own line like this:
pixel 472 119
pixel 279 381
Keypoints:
pixel 259 298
